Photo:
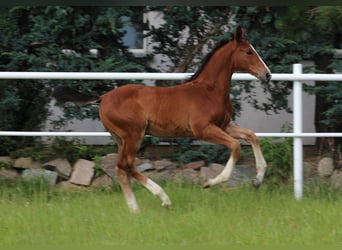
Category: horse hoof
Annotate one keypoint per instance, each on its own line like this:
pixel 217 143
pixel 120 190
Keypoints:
pixel 206 185
pixel 135 210
pixel 168 207
pixel 256 183
pixel 167 204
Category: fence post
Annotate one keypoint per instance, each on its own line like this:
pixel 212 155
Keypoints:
pixel 297 129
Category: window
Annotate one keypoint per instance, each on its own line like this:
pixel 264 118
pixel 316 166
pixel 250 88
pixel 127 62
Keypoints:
pixel 134 37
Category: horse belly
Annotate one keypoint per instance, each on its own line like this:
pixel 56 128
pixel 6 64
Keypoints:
pixel 168 125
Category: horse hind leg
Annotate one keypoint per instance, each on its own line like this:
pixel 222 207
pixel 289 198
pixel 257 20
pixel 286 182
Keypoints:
pixel 250 137
pixel 125 184
pixel 123 175
pixel 127 169
pixel 150 185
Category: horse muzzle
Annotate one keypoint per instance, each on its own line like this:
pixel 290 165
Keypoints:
pixel 266 77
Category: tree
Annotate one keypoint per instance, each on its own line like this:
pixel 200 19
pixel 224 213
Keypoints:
pixel 317 35
pixel 56 38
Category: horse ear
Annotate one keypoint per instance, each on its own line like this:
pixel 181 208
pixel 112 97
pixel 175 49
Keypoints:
pixel 239 35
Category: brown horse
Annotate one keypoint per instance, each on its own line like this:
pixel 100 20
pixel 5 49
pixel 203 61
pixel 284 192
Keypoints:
pixel 200 108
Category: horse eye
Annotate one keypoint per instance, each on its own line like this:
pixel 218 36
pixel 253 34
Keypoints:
pixel 249 52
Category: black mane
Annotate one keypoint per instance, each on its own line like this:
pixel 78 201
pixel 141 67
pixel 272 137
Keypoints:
pixel 206 59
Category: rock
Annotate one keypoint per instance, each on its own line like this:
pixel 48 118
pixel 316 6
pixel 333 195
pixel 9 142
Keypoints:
pixel 108 163
pixel 164 164
pixel 62 166
pixel 26 163
pixel 309 174
pixel 196 165
pixel 241 174
pixel 83 172
pixel 33 174
pixel 216 167
pixel 22 162
pixel 139 161
pixel 206 173
pixel 8 174
pixel 66 185
pixel 102 181
pixel 188 174
pixel 160 175
pixel 325 167
pixel 5 158
pixel 145 166
pixel 336 180
pixel 210 172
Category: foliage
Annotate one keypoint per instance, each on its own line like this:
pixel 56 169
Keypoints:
pixel 185 153
pixel 185 32
pixel 317 31
pixel 71 150
pixel 333 95
pixel 62 148
pixel 98 169
pixel 59 148
pixel 278 155
pixel 53 38
pixel 5 164
pixel 325 20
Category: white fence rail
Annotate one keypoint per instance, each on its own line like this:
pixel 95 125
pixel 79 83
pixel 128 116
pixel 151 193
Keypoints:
pixel 297 77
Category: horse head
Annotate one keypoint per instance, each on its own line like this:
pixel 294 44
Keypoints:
pixel 247 59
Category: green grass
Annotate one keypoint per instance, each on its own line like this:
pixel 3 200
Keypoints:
pixel 32 214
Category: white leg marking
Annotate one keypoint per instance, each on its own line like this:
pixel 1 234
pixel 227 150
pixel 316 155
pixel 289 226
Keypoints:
pixel 260 164
pixel 225 174
pixel 156 190
pixel 132 203
pixel 249 136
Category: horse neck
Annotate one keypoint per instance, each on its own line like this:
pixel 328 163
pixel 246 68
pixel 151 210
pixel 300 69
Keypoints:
pixel 218 72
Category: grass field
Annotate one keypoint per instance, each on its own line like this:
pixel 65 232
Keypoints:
pixel 32 214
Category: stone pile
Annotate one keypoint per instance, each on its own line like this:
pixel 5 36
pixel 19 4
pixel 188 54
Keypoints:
pixel 61 173
pixel 84 173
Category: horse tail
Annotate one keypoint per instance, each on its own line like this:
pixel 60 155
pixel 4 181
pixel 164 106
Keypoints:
pixel 67 94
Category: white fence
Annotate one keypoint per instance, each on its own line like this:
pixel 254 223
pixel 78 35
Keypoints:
pixel 297 77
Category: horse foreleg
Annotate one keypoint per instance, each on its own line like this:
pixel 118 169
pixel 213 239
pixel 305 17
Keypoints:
pixel 216 135
pixel 224 175
pixel 250 137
